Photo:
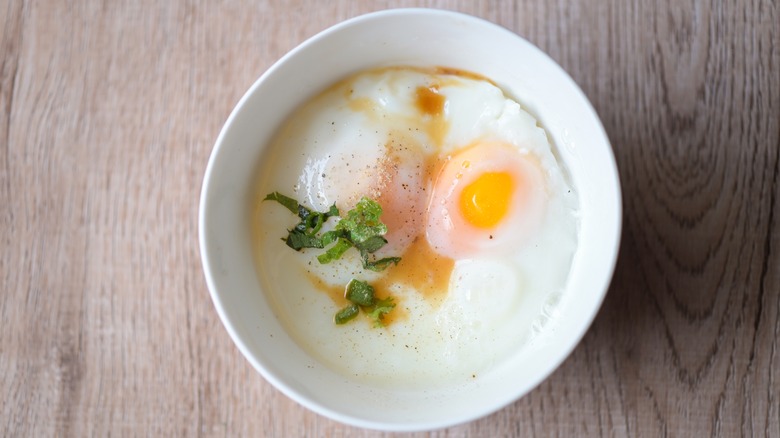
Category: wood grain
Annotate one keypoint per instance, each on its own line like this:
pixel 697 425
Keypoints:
pixel 109 110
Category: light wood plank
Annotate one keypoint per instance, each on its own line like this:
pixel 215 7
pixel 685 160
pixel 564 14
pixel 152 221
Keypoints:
pixel 108 112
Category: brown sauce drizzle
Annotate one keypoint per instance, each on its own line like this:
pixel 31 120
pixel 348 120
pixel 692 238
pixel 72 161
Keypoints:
pixel 429 101
pixel 422 269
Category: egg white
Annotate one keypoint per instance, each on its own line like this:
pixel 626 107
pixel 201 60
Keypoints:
pixel 328 153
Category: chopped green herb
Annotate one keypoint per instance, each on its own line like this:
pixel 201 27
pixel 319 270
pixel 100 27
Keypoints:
pixel 347 314
pixel 361 229
pixel 299 240
pixel 362 222
pixel 381 264
pixel 304 234
pixel 336 251
pixel 380 309
pixel 371 244
pixel 360 292
pixel 365 230
pixel 289 203
pixel 330 237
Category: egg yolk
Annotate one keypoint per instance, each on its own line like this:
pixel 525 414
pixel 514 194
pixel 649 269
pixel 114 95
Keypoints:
pixel 485 201
pixel 487 198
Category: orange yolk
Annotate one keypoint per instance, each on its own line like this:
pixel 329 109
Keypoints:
pixel 485 201
pixel 487 198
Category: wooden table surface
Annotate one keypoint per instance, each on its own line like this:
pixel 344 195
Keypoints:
pixel 108 113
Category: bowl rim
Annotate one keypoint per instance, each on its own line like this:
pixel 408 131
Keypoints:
pixel 208 261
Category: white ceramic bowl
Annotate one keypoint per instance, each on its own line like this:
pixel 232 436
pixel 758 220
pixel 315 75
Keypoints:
pixel 419 37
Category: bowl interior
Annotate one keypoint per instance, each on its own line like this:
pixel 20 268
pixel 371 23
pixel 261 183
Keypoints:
pixel 415 37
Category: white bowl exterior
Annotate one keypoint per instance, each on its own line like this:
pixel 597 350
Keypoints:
pixel 418 37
